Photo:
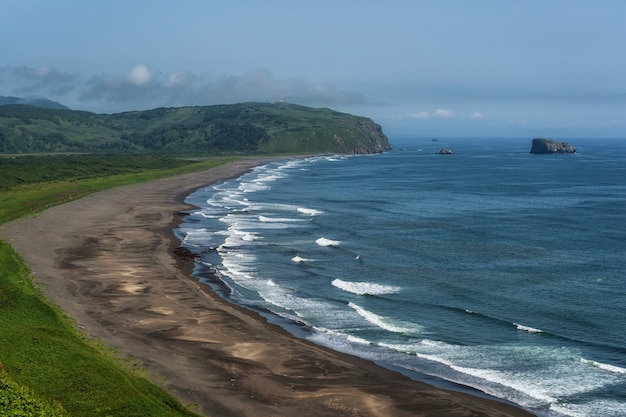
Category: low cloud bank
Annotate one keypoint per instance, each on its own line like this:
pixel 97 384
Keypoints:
pixel 142 87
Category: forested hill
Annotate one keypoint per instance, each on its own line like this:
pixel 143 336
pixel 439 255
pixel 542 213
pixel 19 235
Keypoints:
pixel 247 128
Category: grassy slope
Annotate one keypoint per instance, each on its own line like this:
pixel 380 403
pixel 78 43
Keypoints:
pixel 47 366
pixel 237 128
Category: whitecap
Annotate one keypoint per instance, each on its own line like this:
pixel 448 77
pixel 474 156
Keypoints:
pixel 322 241
pixel 250 187
pixel 300 259
pixel 604 366
pixel 382 322
pixel 249 237
pixel 527 328
pixel 359 340
pixel 364 288
pixel 310 212
pixel 267 219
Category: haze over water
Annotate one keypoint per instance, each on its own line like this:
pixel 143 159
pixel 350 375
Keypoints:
pixel 492 268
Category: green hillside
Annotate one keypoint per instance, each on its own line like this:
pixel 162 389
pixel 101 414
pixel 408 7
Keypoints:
pixel 247 128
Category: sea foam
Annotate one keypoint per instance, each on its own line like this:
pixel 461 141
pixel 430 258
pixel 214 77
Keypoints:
pixel 527 328
pixel 611 368
pixel 322 241
pixel 382 322
pixel 299 259
pixel 310 212
pixel 364 288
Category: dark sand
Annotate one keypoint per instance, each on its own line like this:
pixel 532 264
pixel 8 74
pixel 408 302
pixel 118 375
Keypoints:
pixel 108 260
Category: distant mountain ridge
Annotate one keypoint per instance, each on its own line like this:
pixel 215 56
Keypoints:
pixel 37 102
pixel 245 128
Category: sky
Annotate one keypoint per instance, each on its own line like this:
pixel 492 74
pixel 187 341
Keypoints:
pixel 419 68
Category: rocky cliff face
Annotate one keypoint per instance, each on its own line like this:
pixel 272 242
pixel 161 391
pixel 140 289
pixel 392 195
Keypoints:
pixel 547 146
pixel 363 136
pixel 376 140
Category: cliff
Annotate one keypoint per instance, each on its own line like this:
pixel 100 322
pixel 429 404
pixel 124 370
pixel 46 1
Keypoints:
pixel 548 146
pixel 245 128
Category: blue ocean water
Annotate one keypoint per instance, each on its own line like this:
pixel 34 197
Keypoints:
pixel 491 268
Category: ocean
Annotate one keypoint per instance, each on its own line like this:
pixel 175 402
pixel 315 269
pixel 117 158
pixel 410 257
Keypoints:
pixel 491 268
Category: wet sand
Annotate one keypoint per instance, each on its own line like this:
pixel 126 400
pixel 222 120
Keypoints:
pixel 108 260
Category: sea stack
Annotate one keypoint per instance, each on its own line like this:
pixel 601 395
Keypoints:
pixel 547 146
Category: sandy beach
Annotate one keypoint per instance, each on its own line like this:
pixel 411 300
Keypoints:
pixel 109 261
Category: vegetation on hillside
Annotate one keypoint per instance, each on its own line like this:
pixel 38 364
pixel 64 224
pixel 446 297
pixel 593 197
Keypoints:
pixel 18 400
pixel 247 128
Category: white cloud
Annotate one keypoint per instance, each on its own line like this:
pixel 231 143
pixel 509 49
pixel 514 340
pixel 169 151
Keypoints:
pixel 439 113
pixel 38 81
pixel 445 113
pixel 477 115
pixel 420 115
pixel 177 79
pixel 139 75
pixel 143 88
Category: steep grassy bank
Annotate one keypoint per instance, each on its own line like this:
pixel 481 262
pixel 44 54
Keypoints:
pixel 48 368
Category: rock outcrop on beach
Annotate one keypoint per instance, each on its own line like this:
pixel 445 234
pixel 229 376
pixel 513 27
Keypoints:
pixel 444 151
pixel 548 146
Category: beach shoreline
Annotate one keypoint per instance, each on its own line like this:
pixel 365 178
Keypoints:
pixel 108 260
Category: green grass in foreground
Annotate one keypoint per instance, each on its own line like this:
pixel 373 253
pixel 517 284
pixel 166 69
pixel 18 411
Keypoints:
pixel 47 367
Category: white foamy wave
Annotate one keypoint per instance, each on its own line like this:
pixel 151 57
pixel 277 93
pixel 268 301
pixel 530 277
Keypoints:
pixel 322 241
pixel 336 339
pixel 536 387
pixel 249 237
pixel 239 267
pixel 267 219
pixel 364 288
pixel 527 328
pixel 359 340
pixel 605 366
pixel 521 386
pixel 250 187
pixel 310 212
pixel 604 408
pixel 382 322
pixel 301 259
pixel 197 237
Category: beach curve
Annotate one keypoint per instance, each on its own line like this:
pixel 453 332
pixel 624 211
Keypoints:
pixel 108 261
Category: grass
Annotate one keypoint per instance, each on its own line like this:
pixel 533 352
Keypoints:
pixel 47 366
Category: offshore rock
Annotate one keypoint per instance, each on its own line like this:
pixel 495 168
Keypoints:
pixel 548 146
pixel 444 151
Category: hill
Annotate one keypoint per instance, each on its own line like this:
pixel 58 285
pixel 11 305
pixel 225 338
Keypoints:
pixel 37 102
pixel 246 128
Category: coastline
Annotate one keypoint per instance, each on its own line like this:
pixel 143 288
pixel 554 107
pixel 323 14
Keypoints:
pixel 108 261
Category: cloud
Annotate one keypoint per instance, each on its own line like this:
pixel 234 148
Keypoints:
pixel 139 75
pixel 261 85
pixel 444 113
pixel 420 115
pixel 141 87
pixel 439 113
pixel 41 80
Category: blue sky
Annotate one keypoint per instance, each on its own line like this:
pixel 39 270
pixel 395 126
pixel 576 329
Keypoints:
pixel 445 68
